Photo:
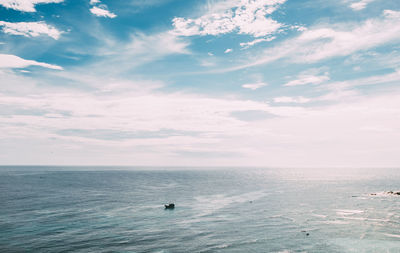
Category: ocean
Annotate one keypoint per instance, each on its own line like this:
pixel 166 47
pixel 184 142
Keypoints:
pixel 121 209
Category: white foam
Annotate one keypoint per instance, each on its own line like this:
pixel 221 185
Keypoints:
pixel 366 219
pixel 320 215
pixel 345 212
pixel 288 251
pixel 392 235
pixel 336 222
pixel 383 194
pixel 222 246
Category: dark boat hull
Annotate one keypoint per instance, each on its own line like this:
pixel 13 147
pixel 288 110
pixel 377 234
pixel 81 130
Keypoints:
pixel 170 206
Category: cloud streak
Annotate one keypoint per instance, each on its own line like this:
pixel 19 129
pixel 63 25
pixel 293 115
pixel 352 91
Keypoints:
pixel 254 86
pixel 102 12
pixel 12 61
pixel 357 6
pixel 300 100
pixel 30 29
pixel 304 79
pixel 246 45
pixel 25 5
pixel 329 41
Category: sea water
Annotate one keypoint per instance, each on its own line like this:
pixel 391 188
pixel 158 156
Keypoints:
pixel 100 209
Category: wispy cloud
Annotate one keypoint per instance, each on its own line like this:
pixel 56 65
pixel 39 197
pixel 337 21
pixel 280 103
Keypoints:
pixel 30 29
pixel 327 41
pixel 359 5
pixel 129 112
pixel 299 99
pixel 100 9
pixel 372 80
pixel 254 86
pixel 12 61
pixel 348 89
pixel 245 17
pixel 157 45
pixel 308 78
pixel 246 45
pixel 119 57
pixel 102 12
pixel 25 5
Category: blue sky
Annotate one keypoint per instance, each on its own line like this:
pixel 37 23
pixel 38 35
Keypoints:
pixel 269 83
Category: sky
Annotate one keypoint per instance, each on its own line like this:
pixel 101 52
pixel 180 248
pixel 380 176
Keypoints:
pixel 261 83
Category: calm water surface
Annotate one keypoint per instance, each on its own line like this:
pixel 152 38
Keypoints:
pixel 54 209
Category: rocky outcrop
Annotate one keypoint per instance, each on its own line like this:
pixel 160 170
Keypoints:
pixel 397 193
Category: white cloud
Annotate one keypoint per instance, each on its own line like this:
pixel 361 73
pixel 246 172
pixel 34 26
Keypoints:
pixel 357 6
pixel 338 95
pixel 246 45
pixel 347 90
pixel 293 136
pixel 208 63
pixel 300 100
pixel 127 115
pixel 30 29
pixel 323 42
pixel 228 50
pixel 127 111
pixel 25 5
pixel 102 12
pixel 121 57
pixel 299 28
pixel 254 86
pixel 303 79
pixel 243 16
pixel 128 87
pixel 12 61
pixel 372 80
pixel 159 44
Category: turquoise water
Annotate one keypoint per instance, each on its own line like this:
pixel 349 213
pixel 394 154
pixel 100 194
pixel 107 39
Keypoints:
pixel 72 209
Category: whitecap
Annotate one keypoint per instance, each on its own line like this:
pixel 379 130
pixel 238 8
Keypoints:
pixel 345 212
pixel 392 235
pixel 222 246
pixel 366 219
pixel 320 215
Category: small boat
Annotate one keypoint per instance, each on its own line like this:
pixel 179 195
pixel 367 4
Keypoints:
pixel 170 206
